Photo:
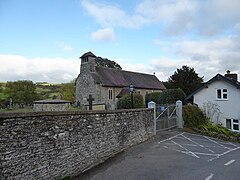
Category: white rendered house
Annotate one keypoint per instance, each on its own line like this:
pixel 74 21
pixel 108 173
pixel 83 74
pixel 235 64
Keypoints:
pixel 219 98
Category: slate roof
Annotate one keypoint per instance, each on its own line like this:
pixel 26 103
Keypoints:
pixel 125 90
pixel 215 78
pixel 110 77
pixel 88 54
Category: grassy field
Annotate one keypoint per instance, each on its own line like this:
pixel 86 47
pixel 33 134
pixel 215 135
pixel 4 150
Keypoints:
pixel 45 90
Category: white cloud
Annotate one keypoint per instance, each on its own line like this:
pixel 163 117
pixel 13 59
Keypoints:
pixel 174 16
pixel 218 16
pixel 105 34
pixel 64 46
pixel 52 70
pixel 206 56
pixel 109 15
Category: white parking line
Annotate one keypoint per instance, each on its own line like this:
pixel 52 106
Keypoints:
pixel 209 177
pixel 170 138
pixel 217 143
pixel 187 151
pixel 186 146
pixel 198 144
pixel 229 162
pixel 226 152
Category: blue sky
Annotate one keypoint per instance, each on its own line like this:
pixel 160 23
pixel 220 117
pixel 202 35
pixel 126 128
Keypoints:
pixel 41 40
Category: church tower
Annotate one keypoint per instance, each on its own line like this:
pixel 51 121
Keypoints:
pixel 85 84
pixel 88 62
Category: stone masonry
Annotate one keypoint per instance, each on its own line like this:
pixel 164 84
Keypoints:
pixel 53 145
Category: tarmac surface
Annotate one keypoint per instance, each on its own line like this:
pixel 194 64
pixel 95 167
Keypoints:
pixel 173 155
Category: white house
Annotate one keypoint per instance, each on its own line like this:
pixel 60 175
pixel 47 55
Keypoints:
pixel 220 99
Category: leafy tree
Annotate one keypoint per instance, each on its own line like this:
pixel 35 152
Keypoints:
pixel 104 62
pixel 68 91
pixel 184 78
pixel 168 96
pixel 125 101
pixel 154 96
pixel 21 92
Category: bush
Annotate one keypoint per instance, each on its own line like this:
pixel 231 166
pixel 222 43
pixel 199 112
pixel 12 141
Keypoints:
pixel 218 128
pixel 155 97
pixel 193 116
pixel 168 96
pixel 125 102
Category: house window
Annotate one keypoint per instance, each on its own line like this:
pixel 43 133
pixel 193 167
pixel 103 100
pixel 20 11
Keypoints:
pixel 110 94
pixel 233 124
pixel 222 94
pixel 228 124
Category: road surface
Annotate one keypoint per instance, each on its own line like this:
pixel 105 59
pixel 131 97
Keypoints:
pixel 172 155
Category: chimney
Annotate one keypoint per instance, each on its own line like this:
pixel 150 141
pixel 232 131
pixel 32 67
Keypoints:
pixel 232 76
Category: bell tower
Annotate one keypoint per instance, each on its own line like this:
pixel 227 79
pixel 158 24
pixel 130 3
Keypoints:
pixel 87 62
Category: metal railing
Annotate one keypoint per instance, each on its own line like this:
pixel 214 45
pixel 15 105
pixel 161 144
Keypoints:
pixel 166 117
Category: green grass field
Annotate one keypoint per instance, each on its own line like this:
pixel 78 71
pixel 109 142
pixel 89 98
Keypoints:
pixel 45 90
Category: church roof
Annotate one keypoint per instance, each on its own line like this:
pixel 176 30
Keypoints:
pixel 88 54
pixel 118 78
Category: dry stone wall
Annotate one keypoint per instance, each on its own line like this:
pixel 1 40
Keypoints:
pixel 53 145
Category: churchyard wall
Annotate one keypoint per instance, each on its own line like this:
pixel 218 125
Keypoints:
pixel 54 145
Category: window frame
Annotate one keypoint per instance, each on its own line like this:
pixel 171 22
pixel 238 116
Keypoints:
pixel 233 124
pixel 222 94
pixel 110 94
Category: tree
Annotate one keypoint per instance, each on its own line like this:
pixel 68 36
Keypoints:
pixel 104 62
pixel 168 96
pixel 184 78
pixel 21 92
pixel 68 91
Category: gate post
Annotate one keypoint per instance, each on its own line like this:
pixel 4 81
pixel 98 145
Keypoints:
pixel 179 114
pixel 152 105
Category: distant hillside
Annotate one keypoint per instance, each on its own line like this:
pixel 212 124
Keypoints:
pixel 48 91
pixel 44 89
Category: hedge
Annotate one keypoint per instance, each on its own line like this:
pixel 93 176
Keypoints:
pixel 125 101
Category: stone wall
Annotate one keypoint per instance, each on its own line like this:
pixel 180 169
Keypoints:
pixel 51 105
pixel 53 145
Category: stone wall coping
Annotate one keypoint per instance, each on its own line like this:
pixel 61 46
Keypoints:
pixel 9 115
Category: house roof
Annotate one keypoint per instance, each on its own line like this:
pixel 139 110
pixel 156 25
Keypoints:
pixel 118 78
pixel 218 77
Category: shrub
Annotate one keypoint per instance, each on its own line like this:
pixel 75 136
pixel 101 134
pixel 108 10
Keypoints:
pixel 218 128
pixel 168 96
pixel 125 102
pixel 155 97
pixel 193 116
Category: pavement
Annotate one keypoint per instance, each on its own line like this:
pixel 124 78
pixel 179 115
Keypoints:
pixel 172 155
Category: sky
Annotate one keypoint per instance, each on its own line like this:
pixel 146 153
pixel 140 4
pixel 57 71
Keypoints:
pixel 42 40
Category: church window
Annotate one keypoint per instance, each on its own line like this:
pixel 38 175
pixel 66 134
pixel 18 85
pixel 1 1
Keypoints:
pixel 85 59
pixel 110 94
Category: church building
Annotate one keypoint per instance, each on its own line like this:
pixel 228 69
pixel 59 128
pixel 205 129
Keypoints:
pixel 105 85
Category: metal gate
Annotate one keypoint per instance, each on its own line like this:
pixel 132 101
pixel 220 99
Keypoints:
pixel 166 117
